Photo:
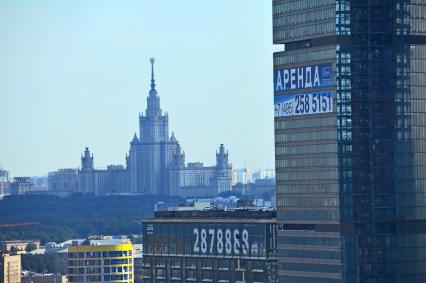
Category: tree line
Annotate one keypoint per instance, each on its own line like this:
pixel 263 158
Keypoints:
pixel 64 218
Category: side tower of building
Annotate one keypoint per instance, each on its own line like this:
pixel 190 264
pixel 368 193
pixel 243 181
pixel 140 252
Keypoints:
pixel 223 173
pixel 177 172
pixel 86 174
pixel 350 116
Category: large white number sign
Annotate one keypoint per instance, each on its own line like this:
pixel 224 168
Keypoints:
pixel 225 241
pixel 303 104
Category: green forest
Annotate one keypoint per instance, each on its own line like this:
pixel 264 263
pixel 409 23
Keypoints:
pixel 61 219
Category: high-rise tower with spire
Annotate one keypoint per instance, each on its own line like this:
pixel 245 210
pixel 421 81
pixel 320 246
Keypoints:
pixel 223 171
pixel 87 173
pixel 151 154
pixel 153 125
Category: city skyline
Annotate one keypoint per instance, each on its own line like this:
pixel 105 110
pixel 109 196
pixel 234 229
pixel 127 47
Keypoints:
pixel 55 107
pixel 326 97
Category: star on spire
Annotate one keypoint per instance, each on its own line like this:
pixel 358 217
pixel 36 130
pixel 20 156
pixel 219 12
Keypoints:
pixel 152 60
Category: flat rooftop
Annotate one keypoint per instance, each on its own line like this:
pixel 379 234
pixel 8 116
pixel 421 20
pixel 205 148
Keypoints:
pixel 215 215
pixel 108 241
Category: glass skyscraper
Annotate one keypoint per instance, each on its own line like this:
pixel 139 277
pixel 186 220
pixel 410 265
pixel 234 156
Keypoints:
pixel 350 140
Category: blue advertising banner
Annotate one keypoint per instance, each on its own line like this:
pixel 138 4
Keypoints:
pixel 303 104
pixel 313 76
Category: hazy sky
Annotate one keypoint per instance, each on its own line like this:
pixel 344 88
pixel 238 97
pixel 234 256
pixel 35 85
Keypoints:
pixel 76 73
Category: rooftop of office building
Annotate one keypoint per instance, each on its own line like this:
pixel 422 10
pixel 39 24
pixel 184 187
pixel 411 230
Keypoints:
pixel 102 241
pixel 220 215
pixel 202 210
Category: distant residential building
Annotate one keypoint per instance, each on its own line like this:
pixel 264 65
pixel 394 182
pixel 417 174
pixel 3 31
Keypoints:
pixel 29 185
pixel 33 277
pixel 196 180
pixel 247 175
pixel 4 175
pixel 114 180
pixel 4 181
pixel 193 245
pixel 101 259
pixel 21 185
pixel 10 268
pixel 18 245
pixel 192 205
pixel 234 178
pixel 263 174
pixel 156 163
pixel 256 189
pixel 40 184
pixel 242 175
pixel 58 253
pixel 165 205
pixel 63 181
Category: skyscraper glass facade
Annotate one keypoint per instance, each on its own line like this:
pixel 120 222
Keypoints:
pixel 350 140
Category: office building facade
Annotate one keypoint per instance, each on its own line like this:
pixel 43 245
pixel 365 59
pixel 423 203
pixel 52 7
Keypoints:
pixel 210 246
pixel 350 139
pixel 101 260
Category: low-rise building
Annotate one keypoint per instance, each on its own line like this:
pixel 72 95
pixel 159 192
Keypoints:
pixel 33 277
pixel 101 259
pixel 18 245
pixel 57 254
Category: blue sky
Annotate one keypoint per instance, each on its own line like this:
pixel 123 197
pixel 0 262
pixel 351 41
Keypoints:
pixel 76 73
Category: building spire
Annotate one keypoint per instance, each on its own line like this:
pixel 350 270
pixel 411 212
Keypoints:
pixel 152 74
pixel 153 100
